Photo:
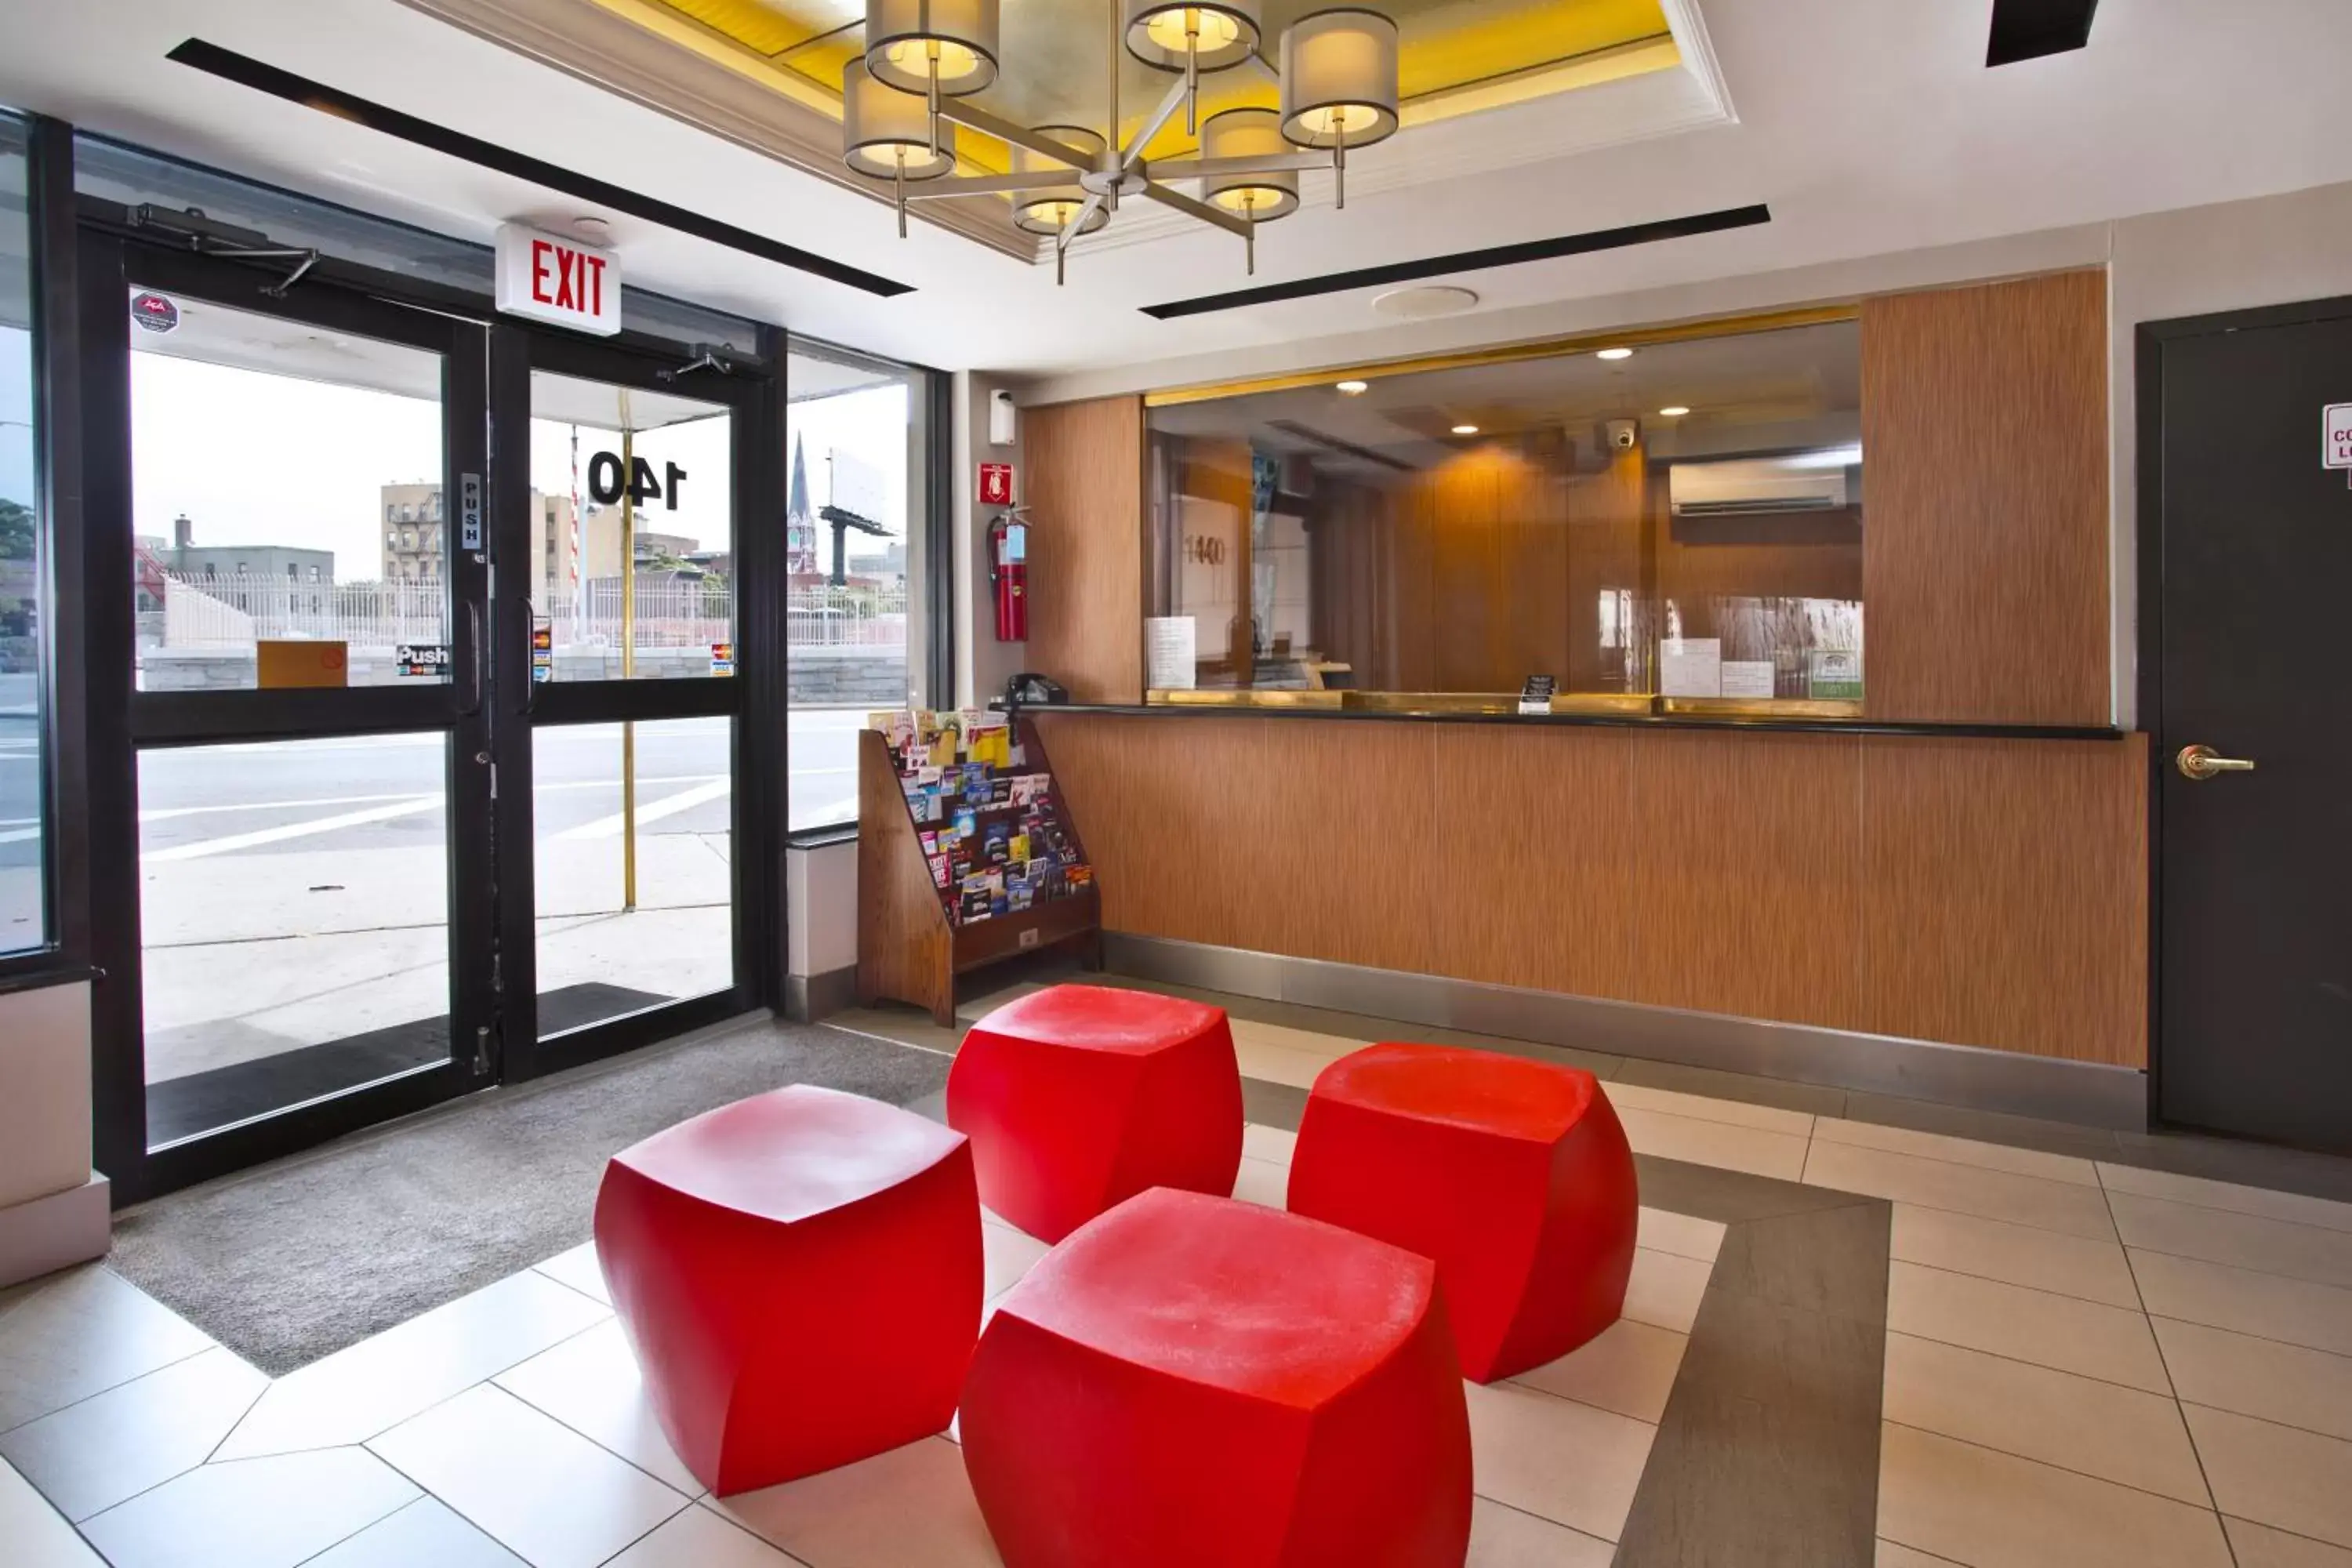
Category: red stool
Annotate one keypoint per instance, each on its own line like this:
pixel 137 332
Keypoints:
pixel 1513 1175
pixel 1192 1380
pixel 1079 1097
pixel 799 1274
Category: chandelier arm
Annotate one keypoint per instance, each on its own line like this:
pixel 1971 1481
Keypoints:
pixel 1210 168
pixel 986 185
pixel 1078 221
pixel 1191 208
pixel 967 114
pixel 1132 154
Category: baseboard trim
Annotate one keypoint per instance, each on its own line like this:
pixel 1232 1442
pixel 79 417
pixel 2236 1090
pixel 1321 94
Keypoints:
pixel 808 998
pixel 2086 1094
pixel 47 1234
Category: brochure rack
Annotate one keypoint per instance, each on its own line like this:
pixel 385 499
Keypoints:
pixel 927 915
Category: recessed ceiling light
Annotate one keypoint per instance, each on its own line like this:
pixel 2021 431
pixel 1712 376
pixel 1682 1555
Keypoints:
pixel 1350 388
pixel 1674 411
pixel 1465 429
pixel 1614 354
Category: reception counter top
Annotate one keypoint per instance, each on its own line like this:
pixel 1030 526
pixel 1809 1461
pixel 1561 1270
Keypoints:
pixel 1387 708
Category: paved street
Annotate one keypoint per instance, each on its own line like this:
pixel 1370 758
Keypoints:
pixel 20 795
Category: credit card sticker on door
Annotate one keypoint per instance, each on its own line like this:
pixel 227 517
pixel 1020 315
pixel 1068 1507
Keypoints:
pixel 469 511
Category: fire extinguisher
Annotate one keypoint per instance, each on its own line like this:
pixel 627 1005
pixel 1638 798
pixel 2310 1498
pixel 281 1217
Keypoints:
pixel 1008 573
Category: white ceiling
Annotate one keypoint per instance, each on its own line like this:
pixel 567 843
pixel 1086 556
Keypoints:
pixel 1869 127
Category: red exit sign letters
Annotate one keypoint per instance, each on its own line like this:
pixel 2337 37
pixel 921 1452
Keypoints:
pixel 546 277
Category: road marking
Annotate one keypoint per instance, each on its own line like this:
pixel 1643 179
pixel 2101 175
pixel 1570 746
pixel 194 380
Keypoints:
pixel 19 836
pixel 254 839
pixel 668 805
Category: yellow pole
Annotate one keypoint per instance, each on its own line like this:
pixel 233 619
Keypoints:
pixel 628 658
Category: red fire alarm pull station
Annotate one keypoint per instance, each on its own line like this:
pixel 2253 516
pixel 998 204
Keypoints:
pixel 996 484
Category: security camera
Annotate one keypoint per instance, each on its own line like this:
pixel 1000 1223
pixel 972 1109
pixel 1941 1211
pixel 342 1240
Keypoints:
pixel 1625 435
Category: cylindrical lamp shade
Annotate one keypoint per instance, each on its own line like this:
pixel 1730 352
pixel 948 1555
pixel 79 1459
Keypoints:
pixel 882 129
pixel 1339 78
pixel 908 43
pixel 1048 209
pixel 1248 133
pixel 1221 32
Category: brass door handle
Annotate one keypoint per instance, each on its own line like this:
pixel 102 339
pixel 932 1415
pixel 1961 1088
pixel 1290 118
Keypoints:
pixel 2200 763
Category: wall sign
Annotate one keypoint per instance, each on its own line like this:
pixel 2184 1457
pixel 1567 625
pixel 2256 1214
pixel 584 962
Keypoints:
pixel 605 481
pixel 469 511
pixel 545 278
pixel 428 659
pixel 154 312
pixel 2336 430
pixel 996 484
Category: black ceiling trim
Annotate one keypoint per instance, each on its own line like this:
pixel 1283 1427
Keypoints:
pixel 2029 29
pixel 243 70
pixel 1468 261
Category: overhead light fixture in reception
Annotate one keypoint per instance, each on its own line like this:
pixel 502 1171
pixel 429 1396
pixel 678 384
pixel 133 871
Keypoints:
pixel 1465 429
pixel 1673 411
pixel 1614 354
pixel 1353 388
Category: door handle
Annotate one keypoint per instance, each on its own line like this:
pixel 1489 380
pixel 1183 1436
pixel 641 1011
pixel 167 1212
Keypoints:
pixel 2201 763
pixel 474 638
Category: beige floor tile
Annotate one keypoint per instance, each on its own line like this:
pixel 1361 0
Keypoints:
pixel 1274 1145
pixel 1008 1255
pixel 2281 1383
pixel 1720 1144
pixel 1502 1537
pixel 697 1538
pixel 1890 1555
pixel 2243 1241
pixel 1271 1064
pixel 579 1268
pixel 1684 1235
pixel 1706 1107
pixel 2014 1254
pixel 1629 1367
pixel 425 1534
pixel 1959 1151
pixel 2102 1429
pixel 2199 1193
pixel 1263 1182
pixel 1306 1042
pixel 1963 1189
pixel 912 1505
pixel 253 1513
pixel 2269 1306
pixel 2260 1546
pixel 85 1332
pixel 1979 1506
pixel 2060 1332
pixel 2279 1476
pixel 535 1486
pixel 36 1534
pixel 1566 1462
pixel 113 1446
pixel 591 1384
pixel 351 1395
pixel 1665 1290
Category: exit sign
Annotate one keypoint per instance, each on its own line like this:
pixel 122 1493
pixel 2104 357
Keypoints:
pixel 545 278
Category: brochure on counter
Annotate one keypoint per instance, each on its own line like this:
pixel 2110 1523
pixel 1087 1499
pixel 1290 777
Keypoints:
pixel 991 826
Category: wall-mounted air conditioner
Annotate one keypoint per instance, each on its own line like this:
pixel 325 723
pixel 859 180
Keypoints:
pixel 1800 482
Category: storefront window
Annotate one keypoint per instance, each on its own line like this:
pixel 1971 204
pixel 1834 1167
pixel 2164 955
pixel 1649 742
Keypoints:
pixel 24 838
pixel 1675 523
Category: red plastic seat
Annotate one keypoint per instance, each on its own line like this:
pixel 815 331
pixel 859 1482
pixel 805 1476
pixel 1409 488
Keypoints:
pixel 1191 1380
pixel 1079 1097
pixel 1513 1175
pixel 800 1276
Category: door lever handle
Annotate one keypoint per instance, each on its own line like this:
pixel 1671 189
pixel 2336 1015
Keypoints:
pixel 2200 763
pixel 474 640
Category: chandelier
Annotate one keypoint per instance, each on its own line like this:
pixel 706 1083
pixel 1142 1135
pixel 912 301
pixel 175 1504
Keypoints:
pixel 924 59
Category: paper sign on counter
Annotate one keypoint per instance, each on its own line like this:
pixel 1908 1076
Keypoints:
pixel 1690 667
pixel 1169 652
pixel 1748 678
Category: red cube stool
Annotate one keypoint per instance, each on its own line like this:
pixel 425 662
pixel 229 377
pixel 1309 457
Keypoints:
pixel 1079 1097
pixel 799 1274
pixel 1513 1175
pixel 1191 1380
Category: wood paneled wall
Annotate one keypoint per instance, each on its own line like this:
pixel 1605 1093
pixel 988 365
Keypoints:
pixel 1085 492
pixel 1984 422
pixel 1972 892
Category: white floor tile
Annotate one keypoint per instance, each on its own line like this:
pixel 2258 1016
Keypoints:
pixel 1271 1064
pixel 89 1456
pixel 1008 1254
pixel 1959 1151
pixel 253 1513
pixel 2102 1429
pixel 1566 1462
pixel 1323 1048
pixel 1723 1144
pixel 1706 1107
pixel 591 1384
pixel 1263 1182
pixel 82 1333
pixel 540 1489
pixel 912 1505
pixel 1502 1537
pixel 2281 1383
pixel 377 1383
pixel 425 1534
pixel 1629 1367
pixel 1963 1189
pixel 1665 1290
pixel 1978 1506
pixel 2279 1476
pixel 2260 1546
pixel 2081 1337
pixel 1684 1235
pixel 37 1535
pixel 2243 1241
pixel 697 1538
pixel 2014 1254
pixel 1270 1143
pixel 2198 1192
pixel 2270 1305
pixel 579 1268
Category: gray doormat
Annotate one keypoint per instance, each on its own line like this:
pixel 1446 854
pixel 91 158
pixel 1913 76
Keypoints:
pixel 295 1261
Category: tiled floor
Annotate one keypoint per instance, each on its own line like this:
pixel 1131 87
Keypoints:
pixel 2085 1363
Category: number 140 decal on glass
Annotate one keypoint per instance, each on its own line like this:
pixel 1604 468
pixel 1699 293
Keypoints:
pixel 605 481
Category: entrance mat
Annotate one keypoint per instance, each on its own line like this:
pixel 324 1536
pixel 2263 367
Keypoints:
pixel 296 1260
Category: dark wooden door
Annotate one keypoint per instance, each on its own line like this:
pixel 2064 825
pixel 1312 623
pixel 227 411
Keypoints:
pixel 2247 650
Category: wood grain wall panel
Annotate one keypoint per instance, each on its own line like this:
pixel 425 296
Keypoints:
pixel 2006 894
pixel 1748 900
pixel 1984 419
pixel 1084 487
pixel 1606 530
pixel 1349 874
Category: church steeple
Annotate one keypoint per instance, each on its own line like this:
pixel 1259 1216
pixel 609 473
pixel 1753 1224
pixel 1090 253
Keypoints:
pixel 796 500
